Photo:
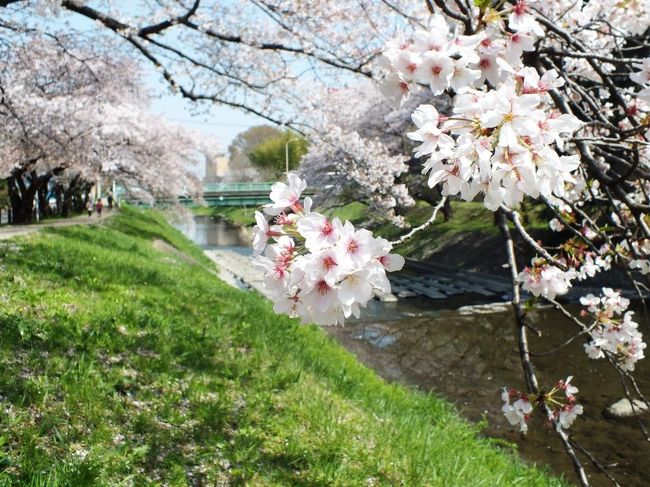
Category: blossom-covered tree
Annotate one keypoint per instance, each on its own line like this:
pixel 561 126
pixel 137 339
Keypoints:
pixel 268 58
pixel 70 115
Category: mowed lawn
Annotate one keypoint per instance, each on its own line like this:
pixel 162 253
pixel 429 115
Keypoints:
pixel 124 365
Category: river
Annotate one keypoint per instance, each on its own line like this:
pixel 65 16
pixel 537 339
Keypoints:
pixel 467 357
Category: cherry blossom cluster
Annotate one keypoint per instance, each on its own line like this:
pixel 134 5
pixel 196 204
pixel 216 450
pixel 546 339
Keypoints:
pixel 599 24
pixel 501 146
pixel 614 332
pixel 544 279
pixel 635 252
pixel 629 17
pixel 318 269
pixel 518 406
pixel 497 142
pixel 445 59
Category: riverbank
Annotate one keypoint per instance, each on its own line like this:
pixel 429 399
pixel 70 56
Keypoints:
pixel 126 364
pixel 470 240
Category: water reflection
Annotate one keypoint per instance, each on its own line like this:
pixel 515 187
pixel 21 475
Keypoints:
pixel 468 358
pixel 214 232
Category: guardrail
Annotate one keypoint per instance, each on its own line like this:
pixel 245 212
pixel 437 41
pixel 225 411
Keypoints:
pixel 226 194
pixel 234 187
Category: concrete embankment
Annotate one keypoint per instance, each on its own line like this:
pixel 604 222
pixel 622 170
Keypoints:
pixel 237 270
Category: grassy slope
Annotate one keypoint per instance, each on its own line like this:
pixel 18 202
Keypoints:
pixel 121 365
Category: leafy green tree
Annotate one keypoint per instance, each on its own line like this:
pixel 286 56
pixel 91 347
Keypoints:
pixel 240 167
pixel 271 155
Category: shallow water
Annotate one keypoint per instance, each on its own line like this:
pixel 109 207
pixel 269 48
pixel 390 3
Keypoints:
pixel 213 232
pixel 468 358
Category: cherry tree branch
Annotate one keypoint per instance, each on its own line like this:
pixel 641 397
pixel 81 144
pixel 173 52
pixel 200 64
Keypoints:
pixel 515 218
pixel 524 350
pixel 424 226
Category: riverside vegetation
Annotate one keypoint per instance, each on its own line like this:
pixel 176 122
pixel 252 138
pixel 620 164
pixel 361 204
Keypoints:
pixel 468 233
pixel 125 365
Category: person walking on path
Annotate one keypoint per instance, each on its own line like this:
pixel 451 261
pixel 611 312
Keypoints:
pixel 99 207
pixel 110 201
pixel 89 208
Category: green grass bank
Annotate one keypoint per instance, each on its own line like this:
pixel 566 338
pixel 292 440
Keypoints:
pixel 124 365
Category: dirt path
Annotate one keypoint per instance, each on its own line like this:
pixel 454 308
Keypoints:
pixel 10 231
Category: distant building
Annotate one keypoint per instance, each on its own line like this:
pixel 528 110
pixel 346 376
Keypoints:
pixel 216 167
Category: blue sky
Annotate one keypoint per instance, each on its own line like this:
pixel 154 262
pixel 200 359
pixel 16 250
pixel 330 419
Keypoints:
pixel 221 123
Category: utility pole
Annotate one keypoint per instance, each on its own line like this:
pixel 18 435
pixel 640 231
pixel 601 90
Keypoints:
pixel 286 154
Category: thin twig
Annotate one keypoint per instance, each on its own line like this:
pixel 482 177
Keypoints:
pixel 425 225
pixel 514 216
pixel 595 462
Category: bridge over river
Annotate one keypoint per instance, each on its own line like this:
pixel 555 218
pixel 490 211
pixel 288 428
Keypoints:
pixel 237 194
pixel 225 194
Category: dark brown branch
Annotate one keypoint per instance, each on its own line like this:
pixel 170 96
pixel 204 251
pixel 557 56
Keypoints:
pixel 524 350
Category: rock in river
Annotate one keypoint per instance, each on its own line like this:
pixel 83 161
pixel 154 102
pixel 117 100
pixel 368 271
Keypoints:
pixel 623 409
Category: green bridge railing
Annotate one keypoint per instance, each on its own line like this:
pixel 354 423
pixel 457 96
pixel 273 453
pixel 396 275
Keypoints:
pixel 235 187
pixel 227 194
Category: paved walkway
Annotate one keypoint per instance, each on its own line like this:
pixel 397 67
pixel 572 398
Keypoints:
pixel 10 231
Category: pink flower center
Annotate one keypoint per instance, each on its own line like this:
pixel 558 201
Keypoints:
pixel 279 272
pixel 323 288
pixel 328 262
pixel 327 229
pixel 520 8
pixel 353 246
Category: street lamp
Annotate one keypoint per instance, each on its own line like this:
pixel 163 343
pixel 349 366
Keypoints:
pixel 286 154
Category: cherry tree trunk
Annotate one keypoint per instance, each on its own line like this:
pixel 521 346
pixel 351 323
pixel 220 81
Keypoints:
pixel 21 197
pixel 43 202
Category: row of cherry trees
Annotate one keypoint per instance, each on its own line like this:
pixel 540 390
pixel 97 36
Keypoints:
pixel 71 115
pixel 510 101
